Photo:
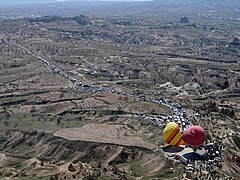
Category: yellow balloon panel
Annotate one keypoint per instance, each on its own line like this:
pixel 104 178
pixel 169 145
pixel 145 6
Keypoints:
pixel 172 134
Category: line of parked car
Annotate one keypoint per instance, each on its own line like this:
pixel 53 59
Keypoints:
pixel 177 116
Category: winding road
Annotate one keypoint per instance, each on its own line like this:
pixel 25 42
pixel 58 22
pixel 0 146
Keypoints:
pixel 178 114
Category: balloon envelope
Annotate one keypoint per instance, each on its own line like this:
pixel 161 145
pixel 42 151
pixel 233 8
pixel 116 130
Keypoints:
pixel 172 134
pixel 193 136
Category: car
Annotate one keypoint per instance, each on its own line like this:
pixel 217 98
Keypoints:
pixel 189 168
pixel 170 154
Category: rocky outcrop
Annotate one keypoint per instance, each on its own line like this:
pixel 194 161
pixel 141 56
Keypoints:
pixel 235 42
pixel 83 20
pixel 184 20
pixel 133 73
pixel 71 168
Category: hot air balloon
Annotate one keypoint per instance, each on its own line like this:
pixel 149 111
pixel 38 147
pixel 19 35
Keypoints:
pixel 193 136
pixel 172 134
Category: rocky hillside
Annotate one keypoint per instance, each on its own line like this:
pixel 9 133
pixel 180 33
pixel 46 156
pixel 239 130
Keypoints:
pixel 41 155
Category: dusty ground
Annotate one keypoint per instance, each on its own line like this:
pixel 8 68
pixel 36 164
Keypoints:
pixel 102 133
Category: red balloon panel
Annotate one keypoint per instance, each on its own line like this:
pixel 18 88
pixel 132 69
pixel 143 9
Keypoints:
pixel 194 136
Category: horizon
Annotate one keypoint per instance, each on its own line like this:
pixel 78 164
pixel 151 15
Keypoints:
pixel 29 2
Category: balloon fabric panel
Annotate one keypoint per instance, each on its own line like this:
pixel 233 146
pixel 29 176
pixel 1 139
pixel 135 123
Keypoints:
pixel 172 134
